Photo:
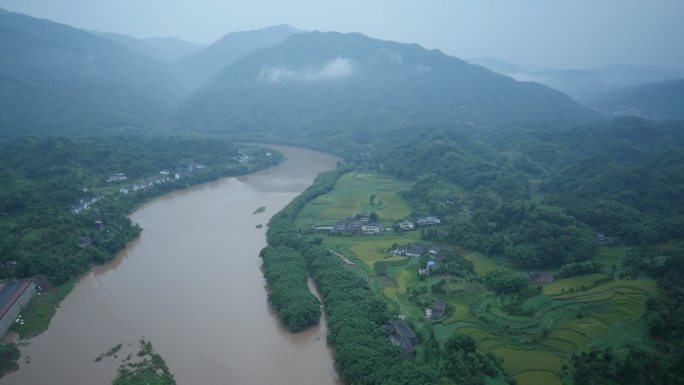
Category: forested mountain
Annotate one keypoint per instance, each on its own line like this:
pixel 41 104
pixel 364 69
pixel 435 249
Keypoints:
pixel 325 82
pixel 621 177
pixel 164 49
pixel 664 100
pixel 203 65
pixel 578 84
pixel 55 79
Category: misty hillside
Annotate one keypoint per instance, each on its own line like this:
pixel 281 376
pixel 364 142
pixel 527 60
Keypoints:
pixel 174 49
pixel 55 79
pixel 497 65
pixel 332 81
pixel 623 75
pixel 203 65
pixel 584 86
pixel 164 49
pixel 578 84
pixel 663 100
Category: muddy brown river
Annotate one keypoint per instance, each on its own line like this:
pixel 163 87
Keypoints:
pixel 192 285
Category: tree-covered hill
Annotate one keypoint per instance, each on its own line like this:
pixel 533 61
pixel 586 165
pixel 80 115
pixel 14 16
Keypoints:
pixel 55 79
pixel 206 63
pixel 661 101
pixel 326 82
pixel 622 177
pixel 163 49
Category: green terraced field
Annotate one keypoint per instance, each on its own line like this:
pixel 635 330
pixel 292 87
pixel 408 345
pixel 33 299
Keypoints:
pixel 537 377
pixel 575 283
pixel 351 195
pixel 571 314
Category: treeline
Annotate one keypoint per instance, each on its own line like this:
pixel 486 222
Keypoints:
pixel 43 177
pixel 357 318
pixel 579 268
pixel 623 177
pixel 285 270
pixel 529 234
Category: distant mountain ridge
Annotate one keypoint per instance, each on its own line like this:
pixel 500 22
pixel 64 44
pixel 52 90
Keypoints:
pixel 323 82
pixel 660 101
pixel 164 49
pixel 587 84
pixel 206 63
pixel 55 79
pixel 622 75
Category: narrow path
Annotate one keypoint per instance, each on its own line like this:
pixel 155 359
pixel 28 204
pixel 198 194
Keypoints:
pixel 345 259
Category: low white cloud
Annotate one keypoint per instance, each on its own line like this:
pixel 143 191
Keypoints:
pixel 337 68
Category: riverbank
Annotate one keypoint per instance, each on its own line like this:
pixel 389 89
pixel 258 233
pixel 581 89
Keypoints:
pixel 194 270
pixel 95 232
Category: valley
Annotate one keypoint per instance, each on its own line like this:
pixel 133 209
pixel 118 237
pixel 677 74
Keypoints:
pixel 332 203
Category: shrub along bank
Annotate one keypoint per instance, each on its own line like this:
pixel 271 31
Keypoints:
pixel 357 318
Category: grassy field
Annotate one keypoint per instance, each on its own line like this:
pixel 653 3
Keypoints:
pixel 587 311
pixel 482 263
pixel 352 194
pixel 39 311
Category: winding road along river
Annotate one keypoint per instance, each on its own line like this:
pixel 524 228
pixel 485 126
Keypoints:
pixel 192 285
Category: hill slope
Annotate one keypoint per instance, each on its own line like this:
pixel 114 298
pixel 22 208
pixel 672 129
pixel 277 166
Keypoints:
pixel 60 80
pixel 164 49
pixel 203 65
pixel 325 82
pixel 664 100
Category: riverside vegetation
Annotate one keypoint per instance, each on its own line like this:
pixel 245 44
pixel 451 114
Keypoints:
pixel 43 177
pixel 505 211
pixel 145 367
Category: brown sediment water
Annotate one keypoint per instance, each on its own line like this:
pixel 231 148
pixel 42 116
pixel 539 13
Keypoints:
pixel 192 285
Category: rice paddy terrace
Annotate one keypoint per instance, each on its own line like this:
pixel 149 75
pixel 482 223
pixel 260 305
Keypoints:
pixel 534 337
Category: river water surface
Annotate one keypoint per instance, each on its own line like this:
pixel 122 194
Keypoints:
pixel 192 285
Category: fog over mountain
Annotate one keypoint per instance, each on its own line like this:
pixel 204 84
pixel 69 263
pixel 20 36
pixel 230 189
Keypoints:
pixel 328 81
pixel 595 87
pixel 512 218
pixel 58 79
pixel 577 34
pixel 206 63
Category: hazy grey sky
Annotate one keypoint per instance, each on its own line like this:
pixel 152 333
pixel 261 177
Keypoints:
pixel 548 33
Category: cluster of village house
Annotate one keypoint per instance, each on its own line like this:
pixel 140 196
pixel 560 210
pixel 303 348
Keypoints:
pixel 243 158
pixel 85 203
pixel 403 335
pixel 163 177
pixel 361 223
pixel 435 257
